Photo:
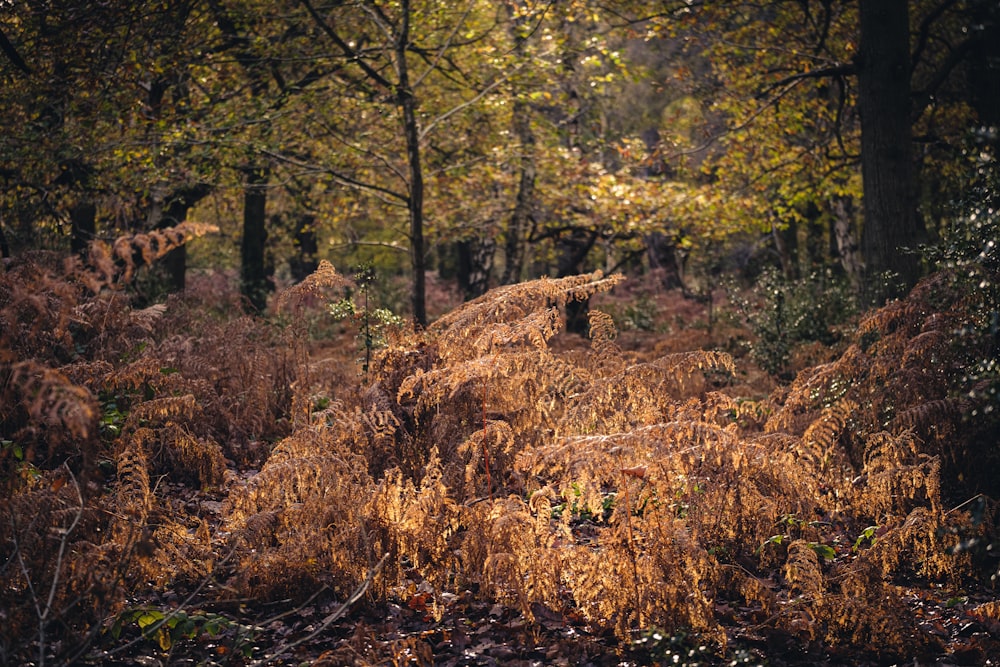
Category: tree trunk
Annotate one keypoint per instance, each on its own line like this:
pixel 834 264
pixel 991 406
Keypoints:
pixel 83 226
pixel 664 256
pixel 305 261
pixel 475 262
pixel 847 246
pixel 984 79
pixel 255 283
pixel 573 250
pixel 520 218
pixel 415 198
pixel 887 170
pixel 786 243
pixel 4 246
pixel 171 211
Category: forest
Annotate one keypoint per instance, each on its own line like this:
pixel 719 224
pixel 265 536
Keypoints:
pixel 518 332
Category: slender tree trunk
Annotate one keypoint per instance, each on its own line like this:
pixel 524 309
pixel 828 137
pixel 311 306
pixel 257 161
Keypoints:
pixel 786 242
pixel 573 250
pixel 415 200
pixel 847 245
pixel 255 283
pixel 891 222
pixel 4 246
pixel 521 217
pixel 663 256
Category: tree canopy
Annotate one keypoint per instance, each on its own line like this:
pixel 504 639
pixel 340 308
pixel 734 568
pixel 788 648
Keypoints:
pixel 496 142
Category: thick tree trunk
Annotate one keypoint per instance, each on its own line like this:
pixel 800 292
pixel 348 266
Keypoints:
pixel 305 261
pixel 890 220
pixel 255 283
pixel 475 263
pixel 83 226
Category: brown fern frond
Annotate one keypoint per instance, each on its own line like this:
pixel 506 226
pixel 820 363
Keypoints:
pixel 189 457
pixel 803 573
pixel 488 444
pixel 602 340
pixel 918 546
pixel 902 316
pixel 133 495
pixel 132 251
pixel 297 523
pixel 930 415
pixel 897 477
pixel 466 330
pixel 641 394
pixel 586 465
pixel 163 409
pixel 415 523
pixel 48 398
pixel 317 284
pixel 821 436
pixel 817 387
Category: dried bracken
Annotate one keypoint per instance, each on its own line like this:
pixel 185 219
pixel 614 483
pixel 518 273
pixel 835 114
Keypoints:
pixel 632 491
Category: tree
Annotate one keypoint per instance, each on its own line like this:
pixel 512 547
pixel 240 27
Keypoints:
pixel 88 133
pixel 792 79
pixel 883 69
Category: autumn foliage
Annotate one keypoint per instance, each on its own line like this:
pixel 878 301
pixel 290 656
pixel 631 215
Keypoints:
pixel 487 455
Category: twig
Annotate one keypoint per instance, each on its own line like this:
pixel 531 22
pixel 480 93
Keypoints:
pixel 341 610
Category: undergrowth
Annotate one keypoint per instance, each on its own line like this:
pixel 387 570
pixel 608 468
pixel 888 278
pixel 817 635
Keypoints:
pixel 631 489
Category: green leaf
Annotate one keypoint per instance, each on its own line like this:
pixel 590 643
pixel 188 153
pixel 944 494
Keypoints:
pixel 824 550
pixel 149 617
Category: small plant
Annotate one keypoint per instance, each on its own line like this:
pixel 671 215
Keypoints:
pixel 639 315
pixel 373 323
pixel 869 535
pixel 22 467
pixel 168 628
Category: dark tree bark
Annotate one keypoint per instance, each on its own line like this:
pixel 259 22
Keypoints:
pixel 415 198
pixel 475 263
pixel 890 217
pixel 255 279
pixel 305 261
pixel 83 226
pixel 520 219
pixel 4 246
pixel 984 78
pixel 169 211
pixel 786 243
pixel 573 249
pixel 842 231
pixel 664 256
